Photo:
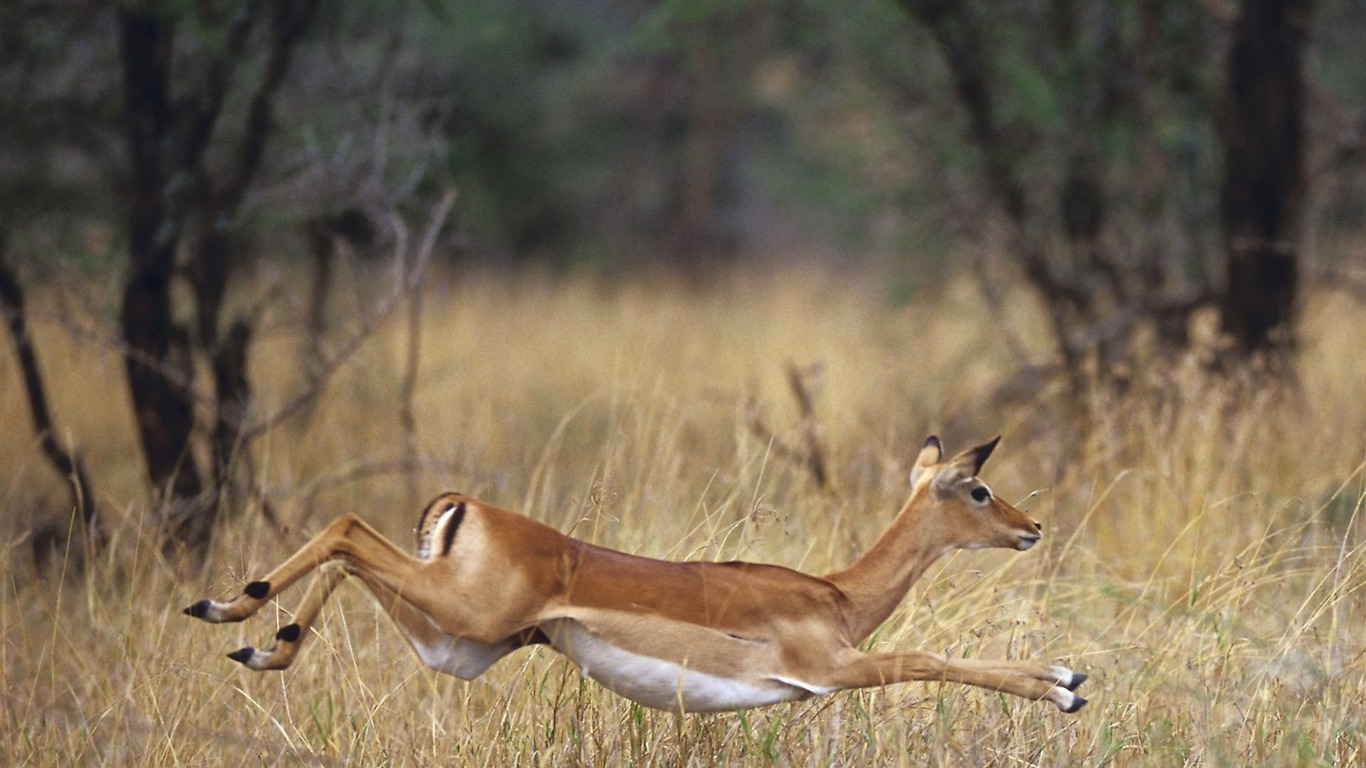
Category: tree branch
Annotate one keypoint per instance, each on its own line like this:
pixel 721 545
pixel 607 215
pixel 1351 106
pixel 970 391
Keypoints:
pixel 810 452
pixel 66 463
pixel 407 283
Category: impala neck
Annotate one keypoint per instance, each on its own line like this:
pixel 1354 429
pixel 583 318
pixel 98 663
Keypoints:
pixel 878 581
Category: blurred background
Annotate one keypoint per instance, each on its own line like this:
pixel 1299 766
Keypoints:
pixel 691 279
pixel 1156 178
pixel 612 134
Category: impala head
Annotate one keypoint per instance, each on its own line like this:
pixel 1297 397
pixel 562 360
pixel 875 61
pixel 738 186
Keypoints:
pixel 978 519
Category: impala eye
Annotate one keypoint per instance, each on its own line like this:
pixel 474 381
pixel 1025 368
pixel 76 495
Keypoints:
pixel 980 494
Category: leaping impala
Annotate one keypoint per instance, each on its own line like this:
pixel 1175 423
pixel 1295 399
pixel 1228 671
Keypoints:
pixel 685 637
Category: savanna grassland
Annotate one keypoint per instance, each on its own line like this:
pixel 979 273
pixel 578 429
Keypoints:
pixel 1202 558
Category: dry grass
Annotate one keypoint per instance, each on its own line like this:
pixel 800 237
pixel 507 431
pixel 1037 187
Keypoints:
pixel 1203 563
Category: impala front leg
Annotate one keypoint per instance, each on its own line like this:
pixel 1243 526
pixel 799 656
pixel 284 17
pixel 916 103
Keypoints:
pixel 1026 679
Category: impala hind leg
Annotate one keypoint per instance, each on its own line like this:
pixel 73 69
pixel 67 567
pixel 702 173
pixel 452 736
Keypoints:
pixel 290 638
pixel 438 648
pixel 1029 680
pixel 346 537
pixel 416 626
pixel 445 648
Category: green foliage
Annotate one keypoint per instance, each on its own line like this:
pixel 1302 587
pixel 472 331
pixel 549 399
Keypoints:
pixel 567 126
pixel 1030 94
pixel 658 31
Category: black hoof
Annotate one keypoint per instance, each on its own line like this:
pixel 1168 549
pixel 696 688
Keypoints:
pixel 1077 704
pixel 241 655
pixel 288 633
pixel 199 610
pixel 1077 679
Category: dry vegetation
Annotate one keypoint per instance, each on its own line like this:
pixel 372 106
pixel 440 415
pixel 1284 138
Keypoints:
pixel 1203 561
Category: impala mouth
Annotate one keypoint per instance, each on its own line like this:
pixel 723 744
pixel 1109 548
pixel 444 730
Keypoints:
pixel 1026 541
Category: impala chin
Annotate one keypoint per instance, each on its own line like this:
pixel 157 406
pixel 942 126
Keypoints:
pixel 678 636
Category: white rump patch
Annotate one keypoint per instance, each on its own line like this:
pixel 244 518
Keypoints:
pixel 425 547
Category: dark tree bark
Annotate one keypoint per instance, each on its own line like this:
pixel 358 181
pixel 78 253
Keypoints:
pixel 1262 200
pixel 322 246
pixel 212 257
pixel 958 31
pixel 176 199
pixel 158 361
pixel 66 463
pixel 1114 287
pixel 232 388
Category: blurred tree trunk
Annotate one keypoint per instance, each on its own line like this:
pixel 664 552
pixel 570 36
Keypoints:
pixel 65 462
pixel 158 361
pixel 214 247
pixel 1262 201
pixel 327 235
pixel 1102 298
pixel 958 31
pixel 175 200
pixel 709 121
pixel 718 46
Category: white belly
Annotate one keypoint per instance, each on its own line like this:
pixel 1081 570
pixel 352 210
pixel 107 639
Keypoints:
pixel 466 659
pixel 663 684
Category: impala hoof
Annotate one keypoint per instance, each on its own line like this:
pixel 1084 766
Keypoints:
pixel 1077 703
pixel 1077 679
pixel 199 610
pixel 242 655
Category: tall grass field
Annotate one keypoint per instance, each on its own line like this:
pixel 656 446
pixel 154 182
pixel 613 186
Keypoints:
pixel 1202 558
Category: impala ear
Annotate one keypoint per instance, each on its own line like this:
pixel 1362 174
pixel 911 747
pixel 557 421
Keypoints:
pixel 928 457
pixel 974 458
pixel 962 467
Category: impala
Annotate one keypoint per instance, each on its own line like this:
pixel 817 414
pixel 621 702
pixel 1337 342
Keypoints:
pixel 679 636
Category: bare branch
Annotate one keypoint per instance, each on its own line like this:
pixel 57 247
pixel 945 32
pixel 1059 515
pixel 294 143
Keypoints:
pixel 800 382
pixel 289 21
pixel 810 453
pixel 65 462
pixel 358 471
pixel 1350 282
pixel 369 325
pixel 209 105
pixel 981 272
